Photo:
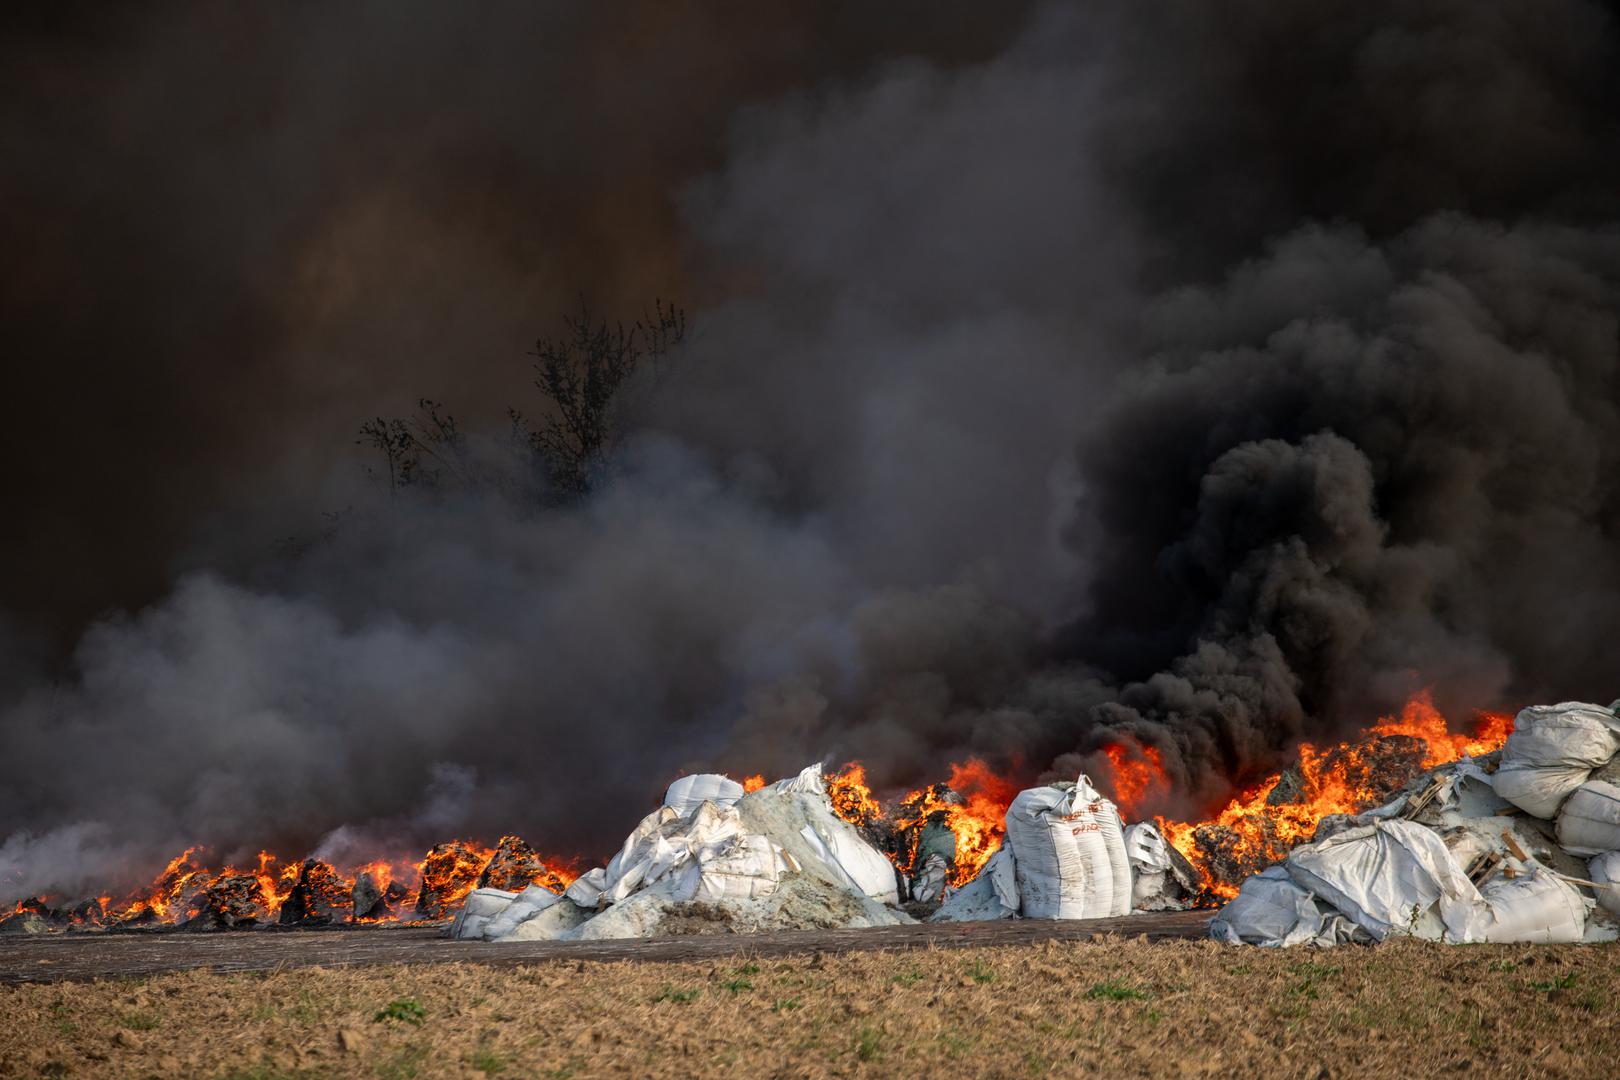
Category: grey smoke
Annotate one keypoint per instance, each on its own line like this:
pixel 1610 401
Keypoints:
pixel 1206 381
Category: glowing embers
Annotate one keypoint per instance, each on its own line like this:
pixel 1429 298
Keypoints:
pixel 310 892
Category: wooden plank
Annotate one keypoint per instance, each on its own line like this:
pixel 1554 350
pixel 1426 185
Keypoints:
pixel 1513 846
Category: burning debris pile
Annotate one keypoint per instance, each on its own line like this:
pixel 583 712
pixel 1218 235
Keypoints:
pixel 1264 823
pixel 822 850
pixel 187 894
pixel 713 858
pixel 1496 848
pixel 1410 829
pixel 937 837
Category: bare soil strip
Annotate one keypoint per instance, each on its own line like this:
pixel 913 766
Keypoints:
pixel 79 957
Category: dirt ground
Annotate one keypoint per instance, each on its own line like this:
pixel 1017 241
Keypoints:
pixel 1109 1007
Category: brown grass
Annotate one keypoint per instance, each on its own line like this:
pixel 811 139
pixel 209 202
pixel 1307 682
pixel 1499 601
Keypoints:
pixel 1116 1008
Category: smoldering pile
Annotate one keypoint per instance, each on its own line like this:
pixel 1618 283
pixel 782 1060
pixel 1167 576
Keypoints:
pixel 311 893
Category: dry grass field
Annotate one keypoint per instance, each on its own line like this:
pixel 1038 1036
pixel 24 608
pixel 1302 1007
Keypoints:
pixel 1111 1007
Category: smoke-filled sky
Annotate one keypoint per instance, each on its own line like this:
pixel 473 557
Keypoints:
pixel 1198 376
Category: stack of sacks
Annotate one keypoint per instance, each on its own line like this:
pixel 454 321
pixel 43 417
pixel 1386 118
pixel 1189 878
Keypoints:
pixel 710 859
pixel 1386 875
pixel 1553 750
pixel 1064 858
pixel 1393 878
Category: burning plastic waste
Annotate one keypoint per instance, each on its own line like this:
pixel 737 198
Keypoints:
pixel 1261 825
pixel 1465 852
pixel 1409 809
pixel 711 859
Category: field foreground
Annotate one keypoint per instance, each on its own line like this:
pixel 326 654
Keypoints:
pixel 1110 1006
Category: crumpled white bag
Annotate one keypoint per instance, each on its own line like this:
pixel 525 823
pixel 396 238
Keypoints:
pixel 1392 877
pixel 1269 909
pixel 992 894
pixel 1540 908
pixel 689 792
pixel 1553 750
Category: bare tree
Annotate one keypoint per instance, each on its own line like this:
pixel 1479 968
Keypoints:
pixel 582 375
pixel 421 449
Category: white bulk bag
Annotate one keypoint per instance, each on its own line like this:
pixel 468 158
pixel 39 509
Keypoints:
pixel 808 781
pixel 586 891
pixel 1392 877
pixel 529 903
pixel 1069 853
pixel 1589 821
pixel 1268 910
pixel 1605 870
pixel 856 864
pixel 627 868
pixel 1552 751
pixel 737 868
pixel 704 853
pixel 689 792
pixel 992 894
pixel 928 884
pixel 1540 909
pixel 480 907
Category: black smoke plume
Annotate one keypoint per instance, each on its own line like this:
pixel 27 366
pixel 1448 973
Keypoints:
pixel 1205 377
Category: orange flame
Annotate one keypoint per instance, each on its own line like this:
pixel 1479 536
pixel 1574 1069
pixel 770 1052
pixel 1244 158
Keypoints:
pixel 174 893
pixel 977 819
pixel 1136 773
pixel 753 783
pixel 851 797
pixel 975 816
pixel 1333 781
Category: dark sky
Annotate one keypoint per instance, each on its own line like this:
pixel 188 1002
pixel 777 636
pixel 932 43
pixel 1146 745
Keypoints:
pixel 232 234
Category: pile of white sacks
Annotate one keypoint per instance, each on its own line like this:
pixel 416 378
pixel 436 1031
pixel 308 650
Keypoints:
pixel 1546 823
pixel 710 860
pixel 1545 826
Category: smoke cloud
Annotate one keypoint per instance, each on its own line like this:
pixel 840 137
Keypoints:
pixel 1203 380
